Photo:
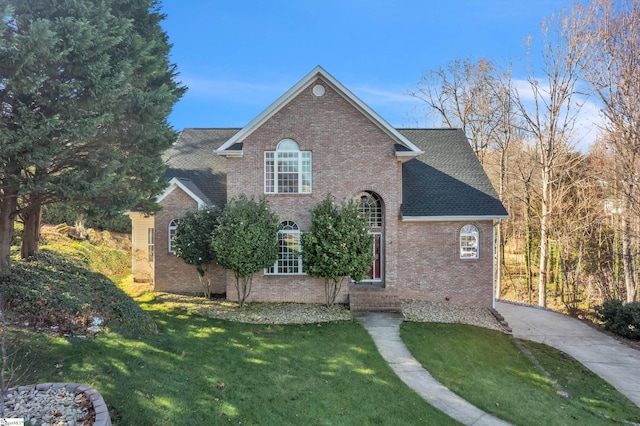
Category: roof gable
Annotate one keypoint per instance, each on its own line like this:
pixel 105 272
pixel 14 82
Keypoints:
pixel 192 160
pixel 233 147
pixel 189 188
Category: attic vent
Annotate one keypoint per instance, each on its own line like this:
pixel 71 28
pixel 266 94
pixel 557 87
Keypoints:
pixel 318 90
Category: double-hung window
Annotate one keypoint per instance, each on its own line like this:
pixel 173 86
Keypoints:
pixel 287 170
pixel 289 257
pixel 469 242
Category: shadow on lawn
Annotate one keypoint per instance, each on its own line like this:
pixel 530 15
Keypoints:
pixel 198 370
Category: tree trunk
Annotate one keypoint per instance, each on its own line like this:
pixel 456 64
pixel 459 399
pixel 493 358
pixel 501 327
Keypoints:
pixel 8 205
pixel 527 248
pixel 31 232
pixel 544 238
pixel 627 259
pixel 500 249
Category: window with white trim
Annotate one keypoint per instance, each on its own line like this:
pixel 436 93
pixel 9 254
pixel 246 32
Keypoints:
pixel 173 228
pixel 289 257
pixel 469 238
pixel 287 170
pixel 370 207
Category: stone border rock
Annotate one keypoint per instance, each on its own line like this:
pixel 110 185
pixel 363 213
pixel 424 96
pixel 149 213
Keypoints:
pixel 99 406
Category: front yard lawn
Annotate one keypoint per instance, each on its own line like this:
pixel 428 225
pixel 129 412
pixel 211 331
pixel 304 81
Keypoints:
pixel 487 368
pixel 201 371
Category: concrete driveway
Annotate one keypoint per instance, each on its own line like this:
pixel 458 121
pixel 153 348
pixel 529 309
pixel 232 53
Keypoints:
pixel 615 362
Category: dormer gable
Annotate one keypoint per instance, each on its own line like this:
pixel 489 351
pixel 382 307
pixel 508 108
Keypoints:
pixel 189 188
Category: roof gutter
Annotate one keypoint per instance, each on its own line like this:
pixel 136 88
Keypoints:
pixel 450 218
pixel 228 153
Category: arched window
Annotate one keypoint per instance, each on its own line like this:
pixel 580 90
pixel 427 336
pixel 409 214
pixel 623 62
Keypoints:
pixel 173 227
pixel 370 206
pixel 469 238
pixel 289 257
pixel 287 169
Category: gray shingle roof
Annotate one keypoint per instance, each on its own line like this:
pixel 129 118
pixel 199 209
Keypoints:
pixel 192 160
pixel 448 179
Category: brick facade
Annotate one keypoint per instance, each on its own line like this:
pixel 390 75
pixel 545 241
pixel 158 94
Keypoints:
pixel 431 268
pixel 172 274
pixel 351 152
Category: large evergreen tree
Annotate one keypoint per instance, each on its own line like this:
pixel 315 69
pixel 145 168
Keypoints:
pixel 86 89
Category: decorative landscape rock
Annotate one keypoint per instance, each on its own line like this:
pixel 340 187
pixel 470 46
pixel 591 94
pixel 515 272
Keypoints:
pixel 57 404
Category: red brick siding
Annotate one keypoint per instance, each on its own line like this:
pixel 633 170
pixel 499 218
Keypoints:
pixel 172 274
pixel 291 288
pixel 350 154
pixel 430 267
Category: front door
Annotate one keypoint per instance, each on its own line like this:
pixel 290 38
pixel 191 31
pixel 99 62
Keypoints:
pixel 375 273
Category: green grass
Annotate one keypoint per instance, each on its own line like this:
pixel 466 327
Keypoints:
pixel 199 370
pixel 487 369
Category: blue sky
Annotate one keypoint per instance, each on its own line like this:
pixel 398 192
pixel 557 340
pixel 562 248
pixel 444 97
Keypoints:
pixel 237 57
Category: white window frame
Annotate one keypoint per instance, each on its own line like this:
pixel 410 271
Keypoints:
pixel 282 265
pixel 469 242
pixel 172 229
pixel 287 153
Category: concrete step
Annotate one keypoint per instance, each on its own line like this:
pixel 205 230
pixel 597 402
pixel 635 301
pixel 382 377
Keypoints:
pixel 373 300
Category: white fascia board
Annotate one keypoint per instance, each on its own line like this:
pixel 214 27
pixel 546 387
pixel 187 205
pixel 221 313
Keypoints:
pixel 301 85
pixel 403 156
pixel 175 183
pixel 450 218
pixel 228 153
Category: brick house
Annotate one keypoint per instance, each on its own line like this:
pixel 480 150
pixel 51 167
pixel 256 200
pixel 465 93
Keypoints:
pixel 431 206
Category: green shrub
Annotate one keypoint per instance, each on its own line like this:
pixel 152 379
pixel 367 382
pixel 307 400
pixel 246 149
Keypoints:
pixel 622 319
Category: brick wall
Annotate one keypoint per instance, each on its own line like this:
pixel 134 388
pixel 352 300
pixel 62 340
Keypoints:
pixel 172 274
pixel 350 154
pixel 431 268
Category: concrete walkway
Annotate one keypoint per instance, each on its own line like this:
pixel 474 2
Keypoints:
pixel 608 358
pixel 384 328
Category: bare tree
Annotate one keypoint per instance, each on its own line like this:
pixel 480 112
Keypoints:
pixel 462 95
pixel 524 205
pixel 477 98
pixel 549 107
pixel 612 36
pixel 506 130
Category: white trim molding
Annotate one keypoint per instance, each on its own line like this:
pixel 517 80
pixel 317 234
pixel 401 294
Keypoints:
pixel 175 183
